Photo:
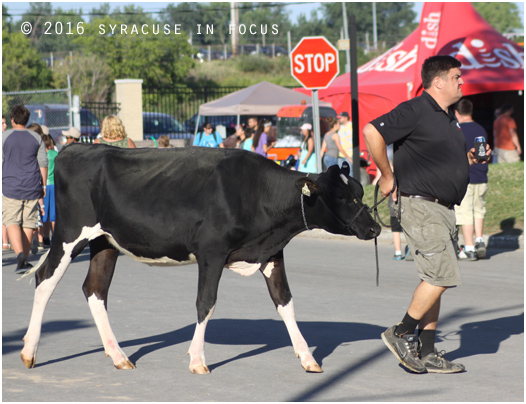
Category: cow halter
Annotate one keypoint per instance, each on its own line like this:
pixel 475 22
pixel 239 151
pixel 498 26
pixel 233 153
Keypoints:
pixel 304 191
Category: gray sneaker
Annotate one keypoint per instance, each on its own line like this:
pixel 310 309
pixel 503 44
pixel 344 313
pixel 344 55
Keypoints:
pixel 480 249
pixel 436 363
pixel 408 255
pixel 405 349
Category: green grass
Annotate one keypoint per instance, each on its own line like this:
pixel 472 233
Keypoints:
pixel 244 71
pixel 504 200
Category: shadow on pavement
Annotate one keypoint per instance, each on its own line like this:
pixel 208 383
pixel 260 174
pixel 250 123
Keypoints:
pixel 482 337
pixel 485 337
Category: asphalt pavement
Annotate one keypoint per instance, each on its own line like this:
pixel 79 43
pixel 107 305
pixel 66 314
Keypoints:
pixel 339 309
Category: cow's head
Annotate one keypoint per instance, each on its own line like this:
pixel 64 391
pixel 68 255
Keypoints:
pixel 336 199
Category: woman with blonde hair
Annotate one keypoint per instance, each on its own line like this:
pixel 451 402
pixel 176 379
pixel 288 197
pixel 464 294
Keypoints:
pixel 112 133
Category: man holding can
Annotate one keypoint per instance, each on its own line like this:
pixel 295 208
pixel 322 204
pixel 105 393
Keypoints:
pixel 470 213
pixel 432 173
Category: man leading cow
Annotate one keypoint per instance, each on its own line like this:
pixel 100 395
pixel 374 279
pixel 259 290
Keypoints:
pixel 432 173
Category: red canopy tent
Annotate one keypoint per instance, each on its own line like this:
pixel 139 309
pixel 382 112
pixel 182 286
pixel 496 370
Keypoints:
pixel 490 62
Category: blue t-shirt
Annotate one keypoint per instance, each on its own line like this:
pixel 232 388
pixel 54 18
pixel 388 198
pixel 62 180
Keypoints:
pixel 248 144
pixel 212 140
pixel 23 153
pixel 478 173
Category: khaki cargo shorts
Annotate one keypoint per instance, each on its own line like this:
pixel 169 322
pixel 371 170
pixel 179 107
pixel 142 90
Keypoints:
pixel 473 205
pixel 430 231
pixel 21 212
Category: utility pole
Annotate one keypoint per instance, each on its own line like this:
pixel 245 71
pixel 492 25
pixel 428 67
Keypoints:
pixel 375 36
pixel 234 20
pixel 346 36
pixel 354 100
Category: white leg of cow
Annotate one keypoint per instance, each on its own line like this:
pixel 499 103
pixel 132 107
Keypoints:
pixel 43 293
pixel 111 346
pixel 274 273
pixel 197 347
pixel 298 342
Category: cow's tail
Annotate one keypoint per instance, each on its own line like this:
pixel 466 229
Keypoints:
pixel 41 262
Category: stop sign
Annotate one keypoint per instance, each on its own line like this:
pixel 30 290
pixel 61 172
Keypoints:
pixel 314 62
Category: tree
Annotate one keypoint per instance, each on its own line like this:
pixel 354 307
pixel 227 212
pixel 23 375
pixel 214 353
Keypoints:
pixel 50 27
pixel 22 67
pixel 7 20
pixel 91 77
pixel 157 58
pixel 218 15
pixel 104 10
pixel 314 26
pixel 264 16
pixel 502 16
pixel 192 15
pixel 394 19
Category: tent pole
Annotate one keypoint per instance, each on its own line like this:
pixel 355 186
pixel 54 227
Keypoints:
pixel 354 100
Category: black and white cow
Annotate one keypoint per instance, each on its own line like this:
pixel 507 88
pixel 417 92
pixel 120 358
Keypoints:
pixel 221 208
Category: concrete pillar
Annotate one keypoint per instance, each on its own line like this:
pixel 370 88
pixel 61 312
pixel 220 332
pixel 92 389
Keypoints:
pixel 128 92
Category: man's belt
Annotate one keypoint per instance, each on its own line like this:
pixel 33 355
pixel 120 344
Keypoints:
pixel 428 198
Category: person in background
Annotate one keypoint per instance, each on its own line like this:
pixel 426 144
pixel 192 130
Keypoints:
pixel 164 142
pixel 470 213
pixel 331 146
pixel 247 143
pixel 70 136
pixel 259 143
pixel 307 158
pixel 48 202
pixel 208 138
pixel 253 123
pixel 37 241
pixel 507 145
pixel 345 134
pixel 24 178
pixel 113 134
pixel 5 239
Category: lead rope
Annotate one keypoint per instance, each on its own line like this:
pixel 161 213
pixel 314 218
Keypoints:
pixel 303 208
pixel 377 218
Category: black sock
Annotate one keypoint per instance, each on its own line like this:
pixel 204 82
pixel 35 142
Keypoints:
pixel 427 341
pixel 407 326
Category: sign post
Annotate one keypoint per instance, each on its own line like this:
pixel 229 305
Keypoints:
pixel 316 127
pixel 314 63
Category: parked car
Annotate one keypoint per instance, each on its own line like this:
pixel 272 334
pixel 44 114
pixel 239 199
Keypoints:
pixel 278 51
pixel 89 124
pixel 56 118
pixel 155 124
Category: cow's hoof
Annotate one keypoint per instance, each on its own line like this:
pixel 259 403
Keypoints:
pixel 124 364
pixel 312 367
pixel 200 370
pixel 29 361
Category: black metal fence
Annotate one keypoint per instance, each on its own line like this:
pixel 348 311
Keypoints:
pixel 91 116
pixel 173 111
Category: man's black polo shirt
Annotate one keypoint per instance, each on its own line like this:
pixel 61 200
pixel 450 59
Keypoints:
pixel 429 149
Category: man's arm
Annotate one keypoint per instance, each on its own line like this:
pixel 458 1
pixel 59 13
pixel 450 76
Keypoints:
pixel 515 140
pixel 378 151
pixel 43 172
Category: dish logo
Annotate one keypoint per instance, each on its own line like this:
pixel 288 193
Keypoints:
pixel 476 54
pixel 429 35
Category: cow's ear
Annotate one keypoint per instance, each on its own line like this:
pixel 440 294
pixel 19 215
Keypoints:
pixel 306 186
pixel 346 170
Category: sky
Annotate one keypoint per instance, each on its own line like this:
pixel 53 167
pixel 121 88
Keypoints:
pixel 295 10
